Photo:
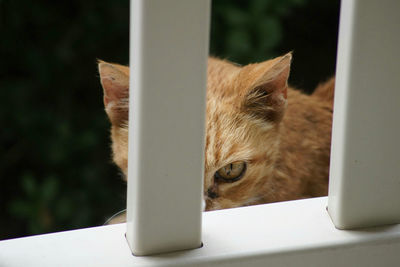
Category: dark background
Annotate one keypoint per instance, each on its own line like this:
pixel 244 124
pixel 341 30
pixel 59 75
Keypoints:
pixel 55 169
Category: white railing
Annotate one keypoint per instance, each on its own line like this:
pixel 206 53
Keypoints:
pixel 364 187
pixel 169 48
pixel 296 233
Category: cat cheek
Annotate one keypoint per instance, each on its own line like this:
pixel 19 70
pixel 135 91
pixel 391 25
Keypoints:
pixel 203 205
pixel 211 204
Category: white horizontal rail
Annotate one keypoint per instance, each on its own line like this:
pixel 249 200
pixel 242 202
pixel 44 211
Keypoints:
pixel 169 49
pixel 364 187
pixel 296 233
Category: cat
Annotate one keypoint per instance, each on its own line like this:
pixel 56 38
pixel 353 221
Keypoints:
pixel 265 141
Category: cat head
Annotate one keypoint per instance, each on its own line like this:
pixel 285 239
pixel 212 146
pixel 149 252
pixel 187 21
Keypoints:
pixel 245 106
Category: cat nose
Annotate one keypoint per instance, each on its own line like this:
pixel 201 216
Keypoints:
pixel 211 194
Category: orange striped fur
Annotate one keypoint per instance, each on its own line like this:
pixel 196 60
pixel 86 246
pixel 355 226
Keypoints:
pixel 252 117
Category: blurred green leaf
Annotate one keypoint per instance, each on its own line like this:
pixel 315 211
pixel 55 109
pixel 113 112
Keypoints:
pixel 49 189
pixel 29 184
pixel 20 208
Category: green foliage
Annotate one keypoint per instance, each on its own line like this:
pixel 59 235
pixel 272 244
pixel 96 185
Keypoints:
pixel 249 30
pixel 55 168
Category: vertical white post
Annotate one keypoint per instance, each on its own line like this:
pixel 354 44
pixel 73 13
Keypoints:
pixel 169 48
pixel 364 185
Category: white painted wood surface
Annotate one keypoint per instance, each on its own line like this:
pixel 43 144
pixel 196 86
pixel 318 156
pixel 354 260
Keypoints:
pixel 364 187
pixel 169 49
pixel 295 233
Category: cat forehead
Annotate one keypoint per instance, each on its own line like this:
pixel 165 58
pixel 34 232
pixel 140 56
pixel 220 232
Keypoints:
pixel 220 75
pixel 228 81
pixel 221 66
pixel 232 136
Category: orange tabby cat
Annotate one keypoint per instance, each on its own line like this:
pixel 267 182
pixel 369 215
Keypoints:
pixel 265 142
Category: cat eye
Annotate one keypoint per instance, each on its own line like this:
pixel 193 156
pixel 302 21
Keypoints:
pixel 231 172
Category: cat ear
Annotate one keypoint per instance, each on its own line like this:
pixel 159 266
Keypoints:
pixel 266 97
pixel 115 81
